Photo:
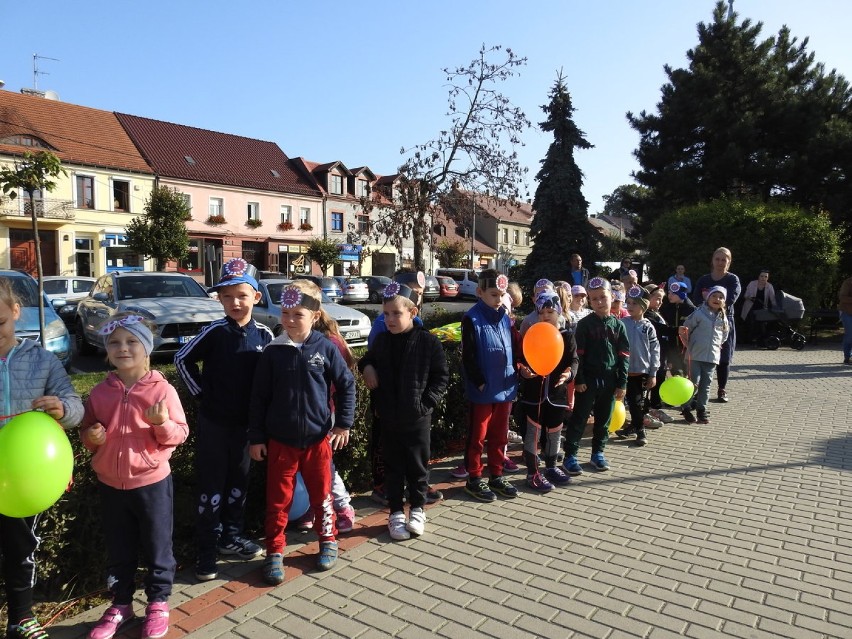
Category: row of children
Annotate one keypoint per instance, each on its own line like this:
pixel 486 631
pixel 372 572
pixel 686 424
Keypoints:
pixel 621 346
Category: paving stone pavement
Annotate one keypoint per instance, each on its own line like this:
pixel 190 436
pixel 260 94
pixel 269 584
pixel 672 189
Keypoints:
pixel 742 528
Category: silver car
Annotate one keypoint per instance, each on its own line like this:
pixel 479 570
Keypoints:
pixel 354 325
pixel 354 289
pixel 176 303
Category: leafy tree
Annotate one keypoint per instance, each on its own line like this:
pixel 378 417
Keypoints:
pixel 561 225
pixel 622 201
pixel 35 172
pixel 747 118
pixel 324 252
pixel 758 234
pixel 451 253
pixel 160 233
pixel 475 152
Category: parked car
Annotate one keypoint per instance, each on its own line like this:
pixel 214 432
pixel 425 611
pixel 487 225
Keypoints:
pixel 449 288
pixel 354 325
pixel 354 289
pixel 431 291
pixel 176 303
pixel 376 286
pixel 71 288
pixel 467 279
pixel 328 285
pixel 56 337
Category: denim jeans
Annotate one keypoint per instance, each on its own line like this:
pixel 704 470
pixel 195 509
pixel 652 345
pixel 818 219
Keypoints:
pixel 846 318
pixel 701 374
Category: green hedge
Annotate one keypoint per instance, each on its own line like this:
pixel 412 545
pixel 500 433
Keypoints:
pixel 71 558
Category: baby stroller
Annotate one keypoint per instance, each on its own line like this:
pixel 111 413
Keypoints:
pixel 789 309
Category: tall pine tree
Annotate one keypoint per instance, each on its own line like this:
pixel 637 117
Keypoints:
pixel 561 225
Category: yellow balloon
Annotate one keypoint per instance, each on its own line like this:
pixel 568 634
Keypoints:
pixel 619 416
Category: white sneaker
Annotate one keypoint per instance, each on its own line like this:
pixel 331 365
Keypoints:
pixel 396 526
pixel 416 522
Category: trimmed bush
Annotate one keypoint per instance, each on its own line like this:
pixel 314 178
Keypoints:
pixel 71 558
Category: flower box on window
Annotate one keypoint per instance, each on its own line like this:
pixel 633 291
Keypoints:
pixel 306 226
pixel 253 223
pixel 285 226
pixel 216 219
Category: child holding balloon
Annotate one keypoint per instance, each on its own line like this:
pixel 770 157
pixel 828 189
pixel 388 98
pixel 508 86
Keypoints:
pixel 543 393
pixel 31 378
pixel 604 353
pixel 643 364
pixel 133 422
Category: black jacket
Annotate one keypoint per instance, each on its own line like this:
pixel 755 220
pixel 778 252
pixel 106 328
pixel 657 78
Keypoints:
pixel 411 389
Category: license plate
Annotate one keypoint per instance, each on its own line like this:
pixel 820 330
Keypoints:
pixel 352 335
pixel 183 339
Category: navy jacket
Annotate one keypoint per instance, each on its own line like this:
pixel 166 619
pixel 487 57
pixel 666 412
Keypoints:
pixel 229 354
pixel 292 393
pixel 413 389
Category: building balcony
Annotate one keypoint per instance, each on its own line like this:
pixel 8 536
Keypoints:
pixel 48 209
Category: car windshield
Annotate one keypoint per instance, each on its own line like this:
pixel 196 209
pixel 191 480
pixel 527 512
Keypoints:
pixel 25 290
pixel 354 280
pixel 131 288
pixel 274 291
pixel 54 287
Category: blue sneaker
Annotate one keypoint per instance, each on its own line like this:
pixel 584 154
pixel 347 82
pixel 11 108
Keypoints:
pixel 556 476
pixel 599 461
pixel 571 466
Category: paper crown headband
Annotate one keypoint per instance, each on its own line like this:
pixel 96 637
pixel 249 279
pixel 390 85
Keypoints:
pixel 293 296
pixel 395 289
pixel 501 282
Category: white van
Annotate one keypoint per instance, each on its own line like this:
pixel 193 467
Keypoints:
pixel 467 279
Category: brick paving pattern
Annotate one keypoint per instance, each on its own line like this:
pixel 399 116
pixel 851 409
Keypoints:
pixel 742 528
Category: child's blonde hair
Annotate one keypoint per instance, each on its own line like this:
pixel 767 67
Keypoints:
pixel 515 293
pixel 7 293
pixel 563 292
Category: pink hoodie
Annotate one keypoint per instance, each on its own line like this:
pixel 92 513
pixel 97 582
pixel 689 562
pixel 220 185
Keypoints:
pixel 135 453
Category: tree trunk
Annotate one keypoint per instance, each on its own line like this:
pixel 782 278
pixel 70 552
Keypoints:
pixel 39 269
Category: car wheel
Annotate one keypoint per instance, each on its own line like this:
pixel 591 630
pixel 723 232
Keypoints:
pixel 83 347
pixel 374 297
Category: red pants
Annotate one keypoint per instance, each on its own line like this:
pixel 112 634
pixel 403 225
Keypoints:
pixel 491 422
pixel 284 462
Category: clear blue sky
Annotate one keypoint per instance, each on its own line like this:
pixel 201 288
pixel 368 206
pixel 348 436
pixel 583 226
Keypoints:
pixel 356 81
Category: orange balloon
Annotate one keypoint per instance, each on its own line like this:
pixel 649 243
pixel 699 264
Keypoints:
pixel 543 347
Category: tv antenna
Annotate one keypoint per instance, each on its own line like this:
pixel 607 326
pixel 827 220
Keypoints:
pixel 36 71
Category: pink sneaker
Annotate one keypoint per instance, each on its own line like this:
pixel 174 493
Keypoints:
pixel 345 519
pixel 156 623
pixel 305 522
pixel 113 619
pixel 510 466
pixel 460 472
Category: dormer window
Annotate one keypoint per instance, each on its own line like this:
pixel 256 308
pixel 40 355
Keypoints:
pixel 25 140
pixel 335 184
pixel 362 188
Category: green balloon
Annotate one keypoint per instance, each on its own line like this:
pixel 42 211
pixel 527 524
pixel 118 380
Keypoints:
pixel 36 462
pixel 676 391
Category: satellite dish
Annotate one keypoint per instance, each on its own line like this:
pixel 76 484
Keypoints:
pixel 51 95
pixel 2 84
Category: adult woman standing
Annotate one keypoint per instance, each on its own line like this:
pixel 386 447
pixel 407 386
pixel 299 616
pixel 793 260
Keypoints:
pixel 720 276
pixel 845 307
pixel 681 278
pixel 759 294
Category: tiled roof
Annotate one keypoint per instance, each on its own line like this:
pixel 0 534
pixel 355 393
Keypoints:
pixel 439 216
pixel 77 134
pixel 499 209
pixel 188 153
